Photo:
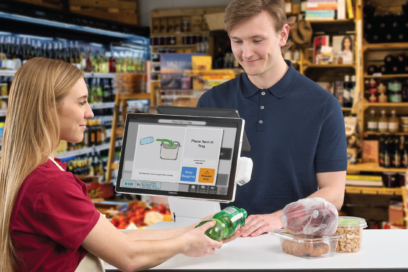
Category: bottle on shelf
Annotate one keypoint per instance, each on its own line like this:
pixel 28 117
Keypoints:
pixel 387 153
pixel 372 69
pixel 404 157
pixel 227 221
pixel 381 139
pixel 372 122
pixel 346 92
pixel 383 122
pixel 352 88
pixel 396 154
pixel 393 122
pixel 402 63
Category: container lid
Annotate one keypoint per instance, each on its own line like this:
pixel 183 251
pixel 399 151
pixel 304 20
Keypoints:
pixel 352 221
pixel 389 173
pixel 282 233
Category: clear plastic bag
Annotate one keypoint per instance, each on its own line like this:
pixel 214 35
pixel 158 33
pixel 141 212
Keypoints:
pixel 310 216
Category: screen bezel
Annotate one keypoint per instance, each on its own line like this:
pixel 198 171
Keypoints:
pixel 229 197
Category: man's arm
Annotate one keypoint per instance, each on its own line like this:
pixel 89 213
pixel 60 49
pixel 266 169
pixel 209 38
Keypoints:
pixel 331 188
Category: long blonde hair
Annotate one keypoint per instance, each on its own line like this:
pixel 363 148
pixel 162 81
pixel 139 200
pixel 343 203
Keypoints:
pixel 31 134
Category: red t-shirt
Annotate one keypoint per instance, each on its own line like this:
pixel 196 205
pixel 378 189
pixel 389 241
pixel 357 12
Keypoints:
pixel 51 218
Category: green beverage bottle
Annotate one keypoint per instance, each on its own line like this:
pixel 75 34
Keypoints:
pixel 227 222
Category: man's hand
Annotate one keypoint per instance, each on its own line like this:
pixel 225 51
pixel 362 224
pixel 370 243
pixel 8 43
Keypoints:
pixel 260 223
pixel 198 244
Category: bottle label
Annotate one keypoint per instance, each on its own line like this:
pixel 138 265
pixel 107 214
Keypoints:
pixel 392 125
pixel 234 214
pixel 10 64
pixel 382 125
pixel 387 162
pixel 372 125
pixel 396 98
pixel 346 94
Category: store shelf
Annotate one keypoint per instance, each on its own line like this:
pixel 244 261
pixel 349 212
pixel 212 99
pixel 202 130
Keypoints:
pixel 403 104
pixel 386 133
pixel 105 105
pixel 378 75
pixel 84 151
pixel 385 46
pixel 346 109
pixel 372 167
pixel 346 21
pixel 135 96
pixel 98 75
pixel 329 65
pixel 176 33
pixel 4 96
pixel 174 46
pixel 373 190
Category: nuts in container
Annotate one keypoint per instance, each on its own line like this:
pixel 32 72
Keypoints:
pixel 351 230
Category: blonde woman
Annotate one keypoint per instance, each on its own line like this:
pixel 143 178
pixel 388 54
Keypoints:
pixel 47 223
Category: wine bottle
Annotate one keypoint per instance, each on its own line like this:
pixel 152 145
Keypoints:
pixel 368 10
pixel 372 69
pixel 402 63
pixel 384 70
pixel 346 92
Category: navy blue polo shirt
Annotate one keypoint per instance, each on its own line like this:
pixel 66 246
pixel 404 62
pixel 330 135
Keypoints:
pixel 295 129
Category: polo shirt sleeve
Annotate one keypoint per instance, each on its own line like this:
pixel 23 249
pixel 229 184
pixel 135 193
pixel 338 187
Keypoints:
pixel 331 153
pixel 65 214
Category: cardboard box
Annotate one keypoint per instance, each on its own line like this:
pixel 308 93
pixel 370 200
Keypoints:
pixel 215 21
pixel 370 151
pixel 396 212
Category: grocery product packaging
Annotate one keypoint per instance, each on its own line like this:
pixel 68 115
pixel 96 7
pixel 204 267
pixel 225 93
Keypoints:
pixel 310 216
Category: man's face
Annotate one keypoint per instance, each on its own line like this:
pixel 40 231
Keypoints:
pixel 255 43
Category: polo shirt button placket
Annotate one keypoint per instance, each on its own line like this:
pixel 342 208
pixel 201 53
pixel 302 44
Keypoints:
pixel 260 126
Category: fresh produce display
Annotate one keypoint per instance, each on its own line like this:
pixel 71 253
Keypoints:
pixel 310 216
pixel 137 214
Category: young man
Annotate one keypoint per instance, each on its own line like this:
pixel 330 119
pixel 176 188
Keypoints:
pixel 295 128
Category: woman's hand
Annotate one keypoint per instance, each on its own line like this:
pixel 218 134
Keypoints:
pixel 198 244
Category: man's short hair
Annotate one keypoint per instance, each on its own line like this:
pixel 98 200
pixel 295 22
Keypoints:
pixel 238 11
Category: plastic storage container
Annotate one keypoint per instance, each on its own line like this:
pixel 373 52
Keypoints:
pixel 307 246
pixel 350 229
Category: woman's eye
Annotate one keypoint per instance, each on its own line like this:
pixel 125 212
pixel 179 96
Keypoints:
pixel 238 42
pixel 82 103
pixel 258 41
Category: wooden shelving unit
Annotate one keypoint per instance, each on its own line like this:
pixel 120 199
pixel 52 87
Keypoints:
pixel 372 167
pixel 346 21
pixel 329 65
pixel 373 190
pixel 387 76
pixel 384 46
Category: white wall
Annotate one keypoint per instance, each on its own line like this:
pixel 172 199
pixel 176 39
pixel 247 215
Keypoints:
pixel 146 6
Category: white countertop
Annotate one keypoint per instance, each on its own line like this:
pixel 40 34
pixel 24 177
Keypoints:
pixel 381 249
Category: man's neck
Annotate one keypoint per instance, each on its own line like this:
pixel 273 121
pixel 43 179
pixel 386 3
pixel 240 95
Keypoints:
pixel 270 77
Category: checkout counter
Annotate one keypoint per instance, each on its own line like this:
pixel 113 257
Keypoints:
pixel 381 250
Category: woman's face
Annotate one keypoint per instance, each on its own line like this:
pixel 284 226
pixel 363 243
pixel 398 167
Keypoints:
pixel 73 111
pixel 347 44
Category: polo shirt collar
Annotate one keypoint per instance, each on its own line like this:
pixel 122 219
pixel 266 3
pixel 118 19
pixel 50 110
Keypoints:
pixel 50 164
pixel 279 89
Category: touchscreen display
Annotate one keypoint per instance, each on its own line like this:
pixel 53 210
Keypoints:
pixel 177 155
